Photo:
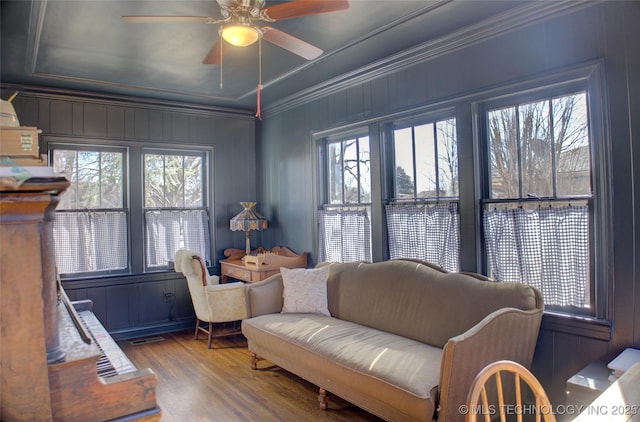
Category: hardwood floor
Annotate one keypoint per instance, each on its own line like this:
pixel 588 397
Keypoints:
pixel 200 384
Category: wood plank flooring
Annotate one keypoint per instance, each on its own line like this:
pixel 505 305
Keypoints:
pixel 197 384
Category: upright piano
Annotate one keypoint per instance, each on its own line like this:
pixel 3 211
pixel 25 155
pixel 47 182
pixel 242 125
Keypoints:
pixel 57 362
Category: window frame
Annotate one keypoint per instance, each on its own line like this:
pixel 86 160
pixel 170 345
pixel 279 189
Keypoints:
pixel 410 120
pixel 54 145
pixel 322 172
pixel 183 151
pixel 586 79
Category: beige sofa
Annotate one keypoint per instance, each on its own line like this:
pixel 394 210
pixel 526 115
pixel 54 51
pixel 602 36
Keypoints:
pixel 404 340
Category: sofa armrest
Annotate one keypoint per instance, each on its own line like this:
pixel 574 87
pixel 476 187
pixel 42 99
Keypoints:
pixel 507 333
pixel 265 297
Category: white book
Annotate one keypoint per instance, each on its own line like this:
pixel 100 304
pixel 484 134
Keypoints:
pixel 624 360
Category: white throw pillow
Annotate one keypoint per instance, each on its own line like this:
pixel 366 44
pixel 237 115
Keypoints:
pixel 305 290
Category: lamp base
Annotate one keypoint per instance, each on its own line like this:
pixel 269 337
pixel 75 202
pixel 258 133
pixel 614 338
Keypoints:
pixel 247 243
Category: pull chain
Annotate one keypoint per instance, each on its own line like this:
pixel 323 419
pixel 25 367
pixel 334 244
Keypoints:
pixel 221 62
pixel 258 115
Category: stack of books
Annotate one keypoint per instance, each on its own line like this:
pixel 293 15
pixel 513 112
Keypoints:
pixel 622 362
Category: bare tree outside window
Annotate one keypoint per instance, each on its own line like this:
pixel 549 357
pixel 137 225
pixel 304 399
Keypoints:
pixel 447 157
pixel 349 171
pixel 426 160
pixel 540 149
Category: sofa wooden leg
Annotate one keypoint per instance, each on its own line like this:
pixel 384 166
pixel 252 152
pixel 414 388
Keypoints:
pixel 323 398
pixel 253 360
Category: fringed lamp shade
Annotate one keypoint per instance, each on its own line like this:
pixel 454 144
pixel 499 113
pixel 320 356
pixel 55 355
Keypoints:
pixel 248 219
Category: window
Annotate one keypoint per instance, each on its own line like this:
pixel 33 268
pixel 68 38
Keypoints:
pixel 344 222
pixel 537 217
pixel 90 229
pixel 422 215
pixel 175 211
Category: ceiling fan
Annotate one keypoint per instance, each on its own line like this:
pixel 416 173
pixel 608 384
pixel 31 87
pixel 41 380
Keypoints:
pixel 239 24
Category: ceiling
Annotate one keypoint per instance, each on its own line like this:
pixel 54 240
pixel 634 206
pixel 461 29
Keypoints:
pixel 85 45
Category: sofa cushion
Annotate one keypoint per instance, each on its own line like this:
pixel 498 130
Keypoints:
pixel 305 290
pixel 403 363
pixel 418 301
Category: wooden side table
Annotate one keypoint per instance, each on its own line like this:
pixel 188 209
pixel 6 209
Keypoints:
pixel 235 267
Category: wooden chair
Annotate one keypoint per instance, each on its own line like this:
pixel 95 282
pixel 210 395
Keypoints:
pixel 212 302
pixel 540 407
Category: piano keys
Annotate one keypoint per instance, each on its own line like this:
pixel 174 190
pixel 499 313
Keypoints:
pixel 112 360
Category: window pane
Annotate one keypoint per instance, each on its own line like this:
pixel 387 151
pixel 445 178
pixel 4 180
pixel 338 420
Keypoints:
pixel 88 179
pixel 350 161
pixel 425 161
pixel 65 161
pixel 365 170
pixel 570 126
pixel 193 175
pixel 153 181
pixel 403 142
pixel 173 181
pixel 447 157
pixel 334 161
pixel 96 179
pixel 535 150
pixel 503 150
pixel 112 184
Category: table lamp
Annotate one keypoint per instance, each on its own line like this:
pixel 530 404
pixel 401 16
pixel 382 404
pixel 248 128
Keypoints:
pixel 248 219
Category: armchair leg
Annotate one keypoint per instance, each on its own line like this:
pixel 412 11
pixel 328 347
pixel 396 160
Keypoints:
pixel 195 337
pixel 210 335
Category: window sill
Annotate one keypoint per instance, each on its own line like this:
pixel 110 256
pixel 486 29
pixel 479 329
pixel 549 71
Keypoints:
pixel 577 325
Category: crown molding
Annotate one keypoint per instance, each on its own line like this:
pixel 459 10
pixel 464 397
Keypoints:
pixel 500 24
pixel 62 94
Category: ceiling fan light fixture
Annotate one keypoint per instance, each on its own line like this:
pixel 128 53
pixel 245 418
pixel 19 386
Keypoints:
pixel 240 35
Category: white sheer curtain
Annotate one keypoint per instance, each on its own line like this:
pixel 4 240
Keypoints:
pixel 91 241
pixel 344 235
pixel 425 231
pixel 546 247
pixel 167 231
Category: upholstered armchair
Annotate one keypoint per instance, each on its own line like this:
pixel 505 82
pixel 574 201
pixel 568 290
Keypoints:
pixel 212 302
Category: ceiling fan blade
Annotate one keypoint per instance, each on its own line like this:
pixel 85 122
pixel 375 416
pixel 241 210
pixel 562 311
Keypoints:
pixel 215 54
pixel 291 43
pixel 168 19
pixel 297 8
